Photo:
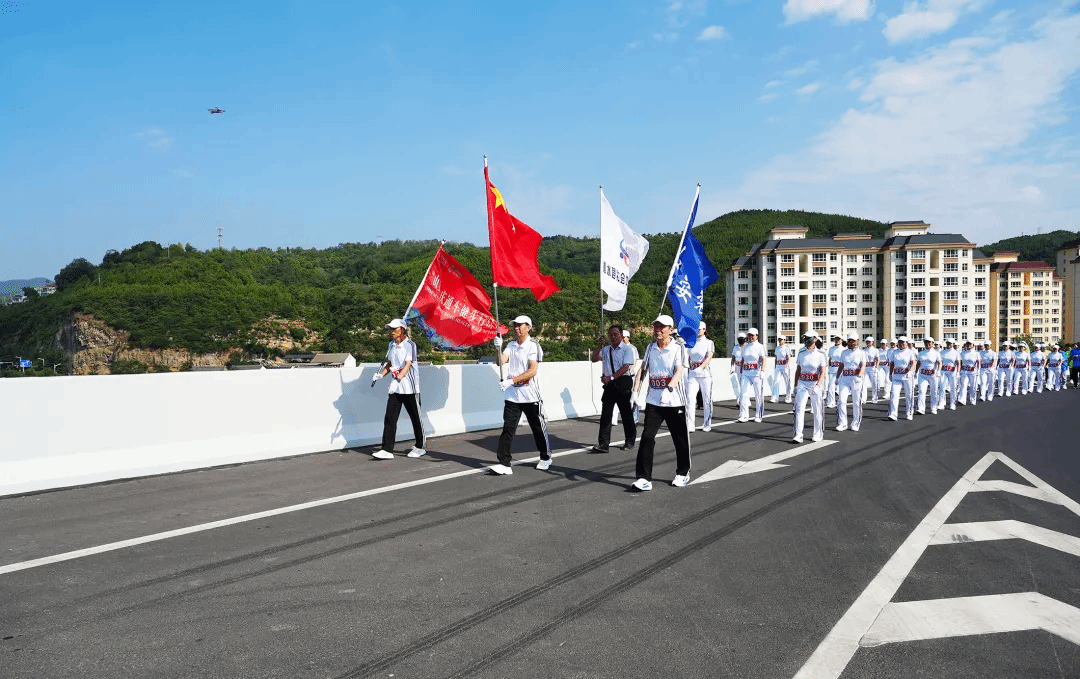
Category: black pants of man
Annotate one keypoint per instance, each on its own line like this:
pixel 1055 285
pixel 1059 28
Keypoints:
pixel 389 425
pixel 675 419
pixel 511 414
pixel 1074 374
pixel 626 412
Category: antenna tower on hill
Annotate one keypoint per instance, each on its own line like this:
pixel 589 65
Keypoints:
pixel 220 239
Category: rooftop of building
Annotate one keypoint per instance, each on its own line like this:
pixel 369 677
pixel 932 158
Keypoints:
pixel 1005 266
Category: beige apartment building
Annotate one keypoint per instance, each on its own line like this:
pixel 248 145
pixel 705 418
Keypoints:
pixel 1068 268
pixel 911 282
pixel 1027 299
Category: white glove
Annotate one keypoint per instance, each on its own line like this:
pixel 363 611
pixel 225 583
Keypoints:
pixel 498 342
pixel 506 384
pixel 378 376
pixel 633 400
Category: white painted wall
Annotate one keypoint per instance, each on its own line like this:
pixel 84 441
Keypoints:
pixel 65 431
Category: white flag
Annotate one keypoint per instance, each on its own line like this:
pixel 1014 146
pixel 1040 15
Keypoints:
pixel 621 252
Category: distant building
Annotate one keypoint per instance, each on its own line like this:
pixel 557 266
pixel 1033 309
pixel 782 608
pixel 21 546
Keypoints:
pixel 1068 268
pixel 1026 300
pixel 911 282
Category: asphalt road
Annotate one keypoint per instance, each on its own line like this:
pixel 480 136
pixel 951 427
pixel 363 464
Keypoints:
pixel 566 573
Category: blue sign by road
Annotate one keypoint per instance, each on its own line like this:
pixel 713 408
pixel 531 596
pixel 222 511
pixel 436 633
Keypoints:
pixel 25 363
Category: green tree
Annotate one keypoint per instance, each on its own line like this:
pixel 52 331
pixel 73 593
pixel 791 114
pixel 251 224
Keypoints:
pixel 78 270
pixel 31 294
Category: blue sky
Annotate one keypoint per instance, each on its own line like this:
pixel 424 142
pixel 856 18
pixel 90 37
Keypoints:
pixel 360 121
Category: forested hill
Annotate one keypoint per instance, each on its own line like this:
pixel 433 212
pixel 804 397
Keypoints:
pixel 1039 247
pixel 338 299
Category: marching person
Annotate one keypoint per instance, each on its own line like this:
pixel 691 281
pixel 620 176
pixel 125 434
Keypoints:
pixel 849 381
pixel 970 361
pixel 883 368
pixel 404 390
pixel 1053 364
pixel 987 371
pixel 1022 364
pixel 929 375
pixel 1074 365
pixel 782 370
pixel 522 388
pixel 950 375
pixel 1037 378
pixel 750 377
pixel 834 364
pixel 664 366
pixel 616 362
pixel 870 375
pixel 700 378
pixel 810 385
pixel 901 363
pixel 1005 369
pixel 633 371
pixel 736 364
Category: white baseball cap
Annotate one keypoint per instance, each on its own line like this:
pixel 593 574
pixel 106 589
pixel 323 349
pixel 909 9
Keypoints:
pixel 929 339
pixel 902 338
pixel 741 335
pixel 811 333
pixel 397 323
pixel 625 333
pixel 701 325
pixel 522 320
pixel 883 341
pixel 752 331
pixel 664 319
pixel 853 336
pixel 869 339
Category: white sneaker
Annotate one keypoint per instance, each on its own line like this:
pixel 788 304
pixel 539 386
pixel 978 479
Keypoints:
pixel 501 469
pixel 910 417
pixel 680 481
pixel 543 464
pixel 952 407
pixel 892 417
pixel 854 427
pixel 382 455
pixel 842 427
pixel 797 439
pixel 691 430
pixel 641 485
pixel 743 419
pixel 416 452
pixel 933 411
pixel 817 437
pixel 787 400
pixel 707 427
pixel 772 400
pixel 757 419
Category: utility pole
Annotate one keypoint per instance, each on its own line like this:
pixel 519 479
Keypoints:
pixel 220 239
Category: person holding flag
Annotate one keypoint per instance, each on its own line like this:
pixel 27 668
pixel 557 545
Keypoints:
pixel 523 356
pixel 404 390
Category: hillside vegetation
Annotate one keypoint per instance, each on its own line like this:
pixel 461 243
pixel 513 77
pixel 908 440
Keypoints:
pixel 221 300
pixel 1040 247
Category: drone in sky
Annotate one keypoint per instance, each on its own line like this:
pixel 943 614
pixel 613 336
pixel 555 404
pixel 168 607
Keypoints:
pixel 215 110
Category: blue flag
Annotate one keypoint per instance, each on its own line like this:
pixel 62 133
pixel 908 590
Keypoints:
pixel 693 272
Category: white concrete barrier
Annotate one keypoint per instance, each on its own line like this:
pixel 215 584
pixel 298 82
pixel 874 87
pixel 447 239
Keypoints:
pixel 65 431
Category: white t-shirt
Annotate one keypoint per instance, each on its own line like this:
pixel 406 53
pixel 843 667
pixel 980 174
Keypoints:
pixel 811 364
pixel 737 355
pixel 970 360
pixel 1022 360
pixel 834 357
pixel 1038 359
pixel 753 359
pixel 783 355
pixel 950 358
pixel 662 364
pixel 851 359
pixel 928 359
pixel 872 356
pixel 903 361
pixel 397 354
pixel 986 358
pixel 520 355
pixel 1054 360
pixel 618 357
pixel 698 352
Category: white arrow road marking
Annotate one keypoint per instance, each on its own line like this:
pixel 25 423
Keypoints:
pixel 874 620
pixel 1006 530
pixel 738 467
pixel 941 618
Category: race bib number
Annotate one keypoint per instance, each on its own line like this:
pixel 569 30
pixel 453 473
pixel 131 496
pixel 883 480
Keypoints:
pixel 659 382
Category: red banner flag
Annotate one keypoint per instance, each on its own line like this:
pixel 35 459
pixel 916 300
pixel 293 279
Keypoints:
pixel 452 307
pixel 514 249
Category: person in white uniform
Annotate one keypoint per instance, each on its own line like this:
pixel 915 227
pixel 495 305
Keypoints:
pixel 700 379
pixel 950 375
pixel 751 372
pixel 1053 366
pixel 834 362
pixel 810 381
pixel 1006 368
pixel 970 369
pixel 782 371
pixel 637 364
pixel 1037 378
pixel 929 375
pixel 664 366
pixel 1022 370
pixel 523 356
pixel 870 380
pixel 849 383
pixel 987 371
pixel 736 363
pixel 404 391
pixel 902 362
pixel 883 368
pixel 617 362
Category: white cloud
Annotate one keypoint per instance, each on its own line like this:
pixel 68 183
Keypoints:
pixel 844 10
pixel 714 33
pixel 801 70
pixel 927 18
pixel 767 97
pixel 948 136
pixel 773 83
pixel 155 137
pixel 809 88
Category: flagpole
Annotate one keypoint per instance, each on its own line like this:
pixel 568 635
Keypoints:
pixel 678 251
pixel 601 263
pixel 491 246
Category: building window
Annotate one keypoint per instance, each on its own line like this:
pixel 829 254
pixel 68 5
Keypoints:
pixel 950 309
pixel 787 313
pixel 918 282
pixel 852 271
pixel 743 313
pixel 868 271
pixel 918 297
pixel 918 323
pixel 918 309
pixel 901 297
pixel 819 325
pixel 917 254
pixel 851 258
pixel 980 294
pixel 868 311
pixel 743 327
pixel 818 299
pixel 787 285
pixel 950 267
pixel 787 271
pixel 771 259
pixel 787 327
pixel 832 270
pixel 820 313
pixel 787 259
pixel 950 280
pixel 868 298
pixel 818 257
pixel 833 298
pixel 744 274
pixel 901 268
pixel 868 284
pixel 819 271
pixel 900 311
pixel 1014 276
pixel 832 256
pixel 744 287
pixel 980 308
pixel 771 285
pixel 787 299
pixel 818 285
pixel 952 253
pixel 980 282
pixel 771 273
pixel 868 325
pixel 980 268
pixel 918 268
pixel 771 299
pixel 867 258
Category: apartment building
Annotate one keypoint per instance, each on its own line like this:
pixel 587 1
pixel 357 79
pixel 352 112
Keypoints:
pixel 1027 299
pixel 1068 268
pixel 911 282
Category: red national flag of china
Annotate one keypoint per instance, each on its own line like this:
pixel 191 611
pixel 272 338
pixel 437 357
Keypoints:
pixel 453 307
pixel 514 248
